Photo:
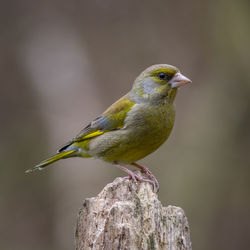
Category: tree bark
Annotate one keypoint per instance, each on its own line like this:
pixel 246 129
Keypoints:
pixel 124 216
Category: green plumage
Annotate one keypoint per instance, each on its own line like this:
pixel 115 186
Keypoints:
pixel 134 126
pixel 146 128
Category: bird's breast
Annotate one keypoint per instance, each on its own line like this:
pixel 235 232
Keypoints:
pixel 150 119
pixel 145 129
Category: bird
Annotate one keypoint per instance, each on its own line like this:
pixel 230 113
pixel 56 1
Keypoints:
pixel 132 127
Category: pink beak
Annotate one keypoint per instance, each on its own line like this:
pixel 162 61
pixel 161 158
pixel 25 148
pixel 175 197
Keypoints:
pixel 179 80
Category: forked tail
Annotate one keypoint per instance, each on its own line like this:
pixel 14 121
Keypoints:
pixel 56 157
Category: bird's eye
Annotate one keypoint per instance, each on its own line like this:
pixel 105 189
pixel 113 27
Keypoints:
pixel 164 76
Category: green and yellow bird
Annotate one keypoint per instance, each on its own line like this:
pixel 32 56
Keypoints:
pixel 131 128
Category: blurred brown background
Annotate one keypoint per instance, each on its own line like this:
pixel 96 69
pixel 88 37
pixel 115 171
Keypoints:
pixel 63 62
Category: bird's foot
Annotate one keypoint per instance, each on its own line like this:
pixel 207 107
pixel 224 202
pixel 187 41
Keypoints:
pixel 135 177
pixel 147 172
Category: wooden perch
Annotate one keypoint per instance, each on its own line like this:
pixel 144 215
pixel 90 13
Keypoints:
pixel 124 217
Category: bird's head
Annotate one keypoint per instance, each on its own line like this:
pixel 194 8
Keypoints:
pixel 158 83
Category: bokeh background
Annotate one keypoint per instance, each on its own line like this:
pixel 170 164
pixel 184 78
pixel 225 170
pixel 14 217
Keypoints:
pixel 63 62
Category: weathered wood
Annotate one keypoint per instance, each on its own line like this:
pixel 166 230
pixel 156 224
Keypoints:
pixel 124 217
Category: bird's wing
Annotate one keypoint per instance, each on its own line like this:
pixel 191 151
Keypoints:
pixel 112 119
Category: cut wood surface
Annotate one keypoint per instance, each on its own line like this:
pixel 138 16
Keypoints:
pixel 123 216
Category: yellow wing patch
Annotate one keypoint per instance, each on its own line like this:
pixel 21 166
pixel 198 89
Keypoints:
pixel 113 118
pixel 93 134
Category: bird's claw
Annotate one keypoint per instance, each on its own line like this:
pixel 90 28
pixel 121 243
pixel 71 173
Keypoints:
pixel 147 172
pixel 137 178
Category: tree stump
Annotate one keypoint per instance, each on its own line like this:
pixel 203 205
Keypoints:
pixel 124 216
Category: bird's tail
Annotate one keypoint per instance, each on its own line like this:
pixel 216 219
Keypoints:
pixel 56 157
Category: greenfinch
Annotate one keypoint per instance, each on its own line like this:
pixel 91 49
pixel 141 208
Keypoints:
pixel 131 128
